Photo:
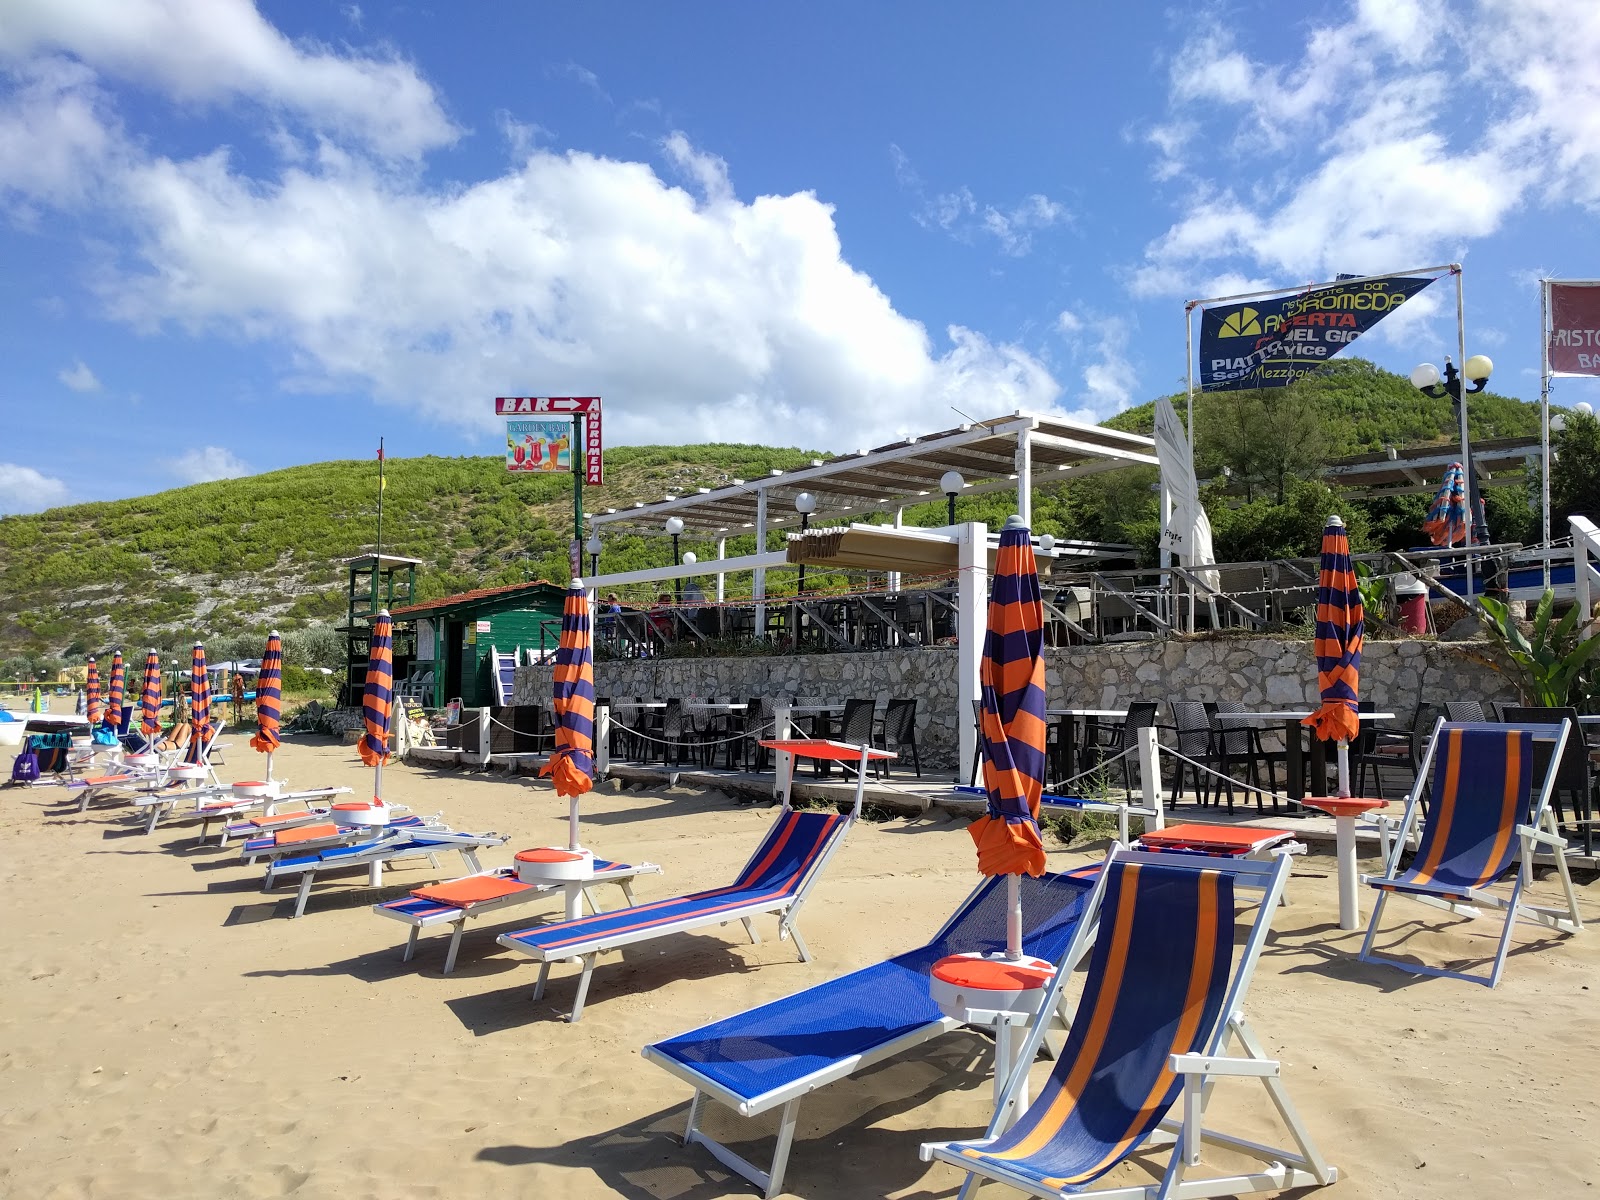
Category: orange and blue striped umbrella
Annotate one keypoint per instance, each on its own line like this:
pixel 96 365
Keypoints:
pixel 150 699
pixel 572 763
pixel 1446 522
pixel 199 704
pixel 269 696
pixel 1340 622
pixel 91 692
pixel 113 715
pixel 1013 713
pixel 377 698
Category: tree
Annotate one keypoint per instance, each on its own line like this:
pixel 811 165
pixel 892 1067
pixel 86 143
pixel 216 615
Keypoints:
pixel 1575 471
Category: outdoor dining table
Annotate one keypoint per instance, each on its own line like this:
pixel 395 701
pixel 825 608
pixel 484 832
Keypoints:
pixel 1292 728
pixel 1088 717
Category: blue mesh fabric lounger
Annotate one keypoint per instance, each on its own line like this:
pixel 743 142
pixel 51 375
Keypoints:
pixel 777 879
pixel 1484 817
pixel 1160 1004
pixel 374 853
pixel 420 912
pixel 780 1052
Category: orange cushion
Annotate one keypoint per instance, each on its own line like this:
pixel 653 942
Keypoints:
pixel 547 854
pixel 352 806
pixel 463 892
pixel 278 819
pixel 990 975
pixel 305 833
pixel 102 780
pixel 1196 834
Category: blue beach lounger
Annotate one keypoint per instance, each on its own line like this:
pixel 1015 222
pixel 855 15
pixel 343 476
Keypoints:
pixel 427 907
pixel 778 1053
pixel 1480 822
pixel 392 845
pixel 1161 1003
pixel 777 879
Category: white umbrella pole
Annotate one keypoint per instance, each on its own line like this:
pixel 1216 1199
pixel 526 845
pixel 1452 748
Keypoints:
pixel 1013 918
pixel 269 766
pixel 1344 767
pixel 572 825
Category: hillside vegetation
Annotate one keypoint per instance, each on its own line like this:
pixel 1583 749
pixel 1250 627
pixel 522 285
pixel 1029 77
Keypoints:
pixel 240 555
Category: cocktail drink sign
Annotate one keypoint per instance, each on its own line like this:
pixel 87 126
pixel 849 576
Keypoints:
pixel 539 446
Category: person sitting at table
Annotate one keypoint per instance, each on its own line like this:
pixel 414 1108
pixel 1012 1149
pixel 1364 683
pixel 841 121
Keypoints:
pixel 661 617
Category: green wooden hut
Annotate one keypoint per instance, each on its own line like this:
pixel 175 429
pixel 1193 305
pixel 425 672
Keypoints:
pixel 456 637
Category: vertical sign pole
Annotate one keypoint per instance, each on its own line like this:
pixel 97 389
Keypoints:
pixel 579 447
pixel 1544 423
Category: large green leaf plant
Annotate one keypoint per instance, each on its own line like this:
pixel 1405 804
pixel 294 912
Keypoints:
pixel 1553 657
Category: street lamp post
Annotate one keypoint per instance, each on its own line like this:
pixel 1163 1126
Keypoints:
pixel 1476 370
pixel 951 483
pixel 805 504
pixel 593 546
pixel 674 528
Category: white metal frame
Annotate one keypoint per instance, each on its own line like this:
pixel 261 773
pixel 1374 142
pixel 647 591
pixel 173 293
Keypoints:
pixel 622 874
pixel 1539 831
pixel 787 909
pixel 418 842
pixel 1302 1166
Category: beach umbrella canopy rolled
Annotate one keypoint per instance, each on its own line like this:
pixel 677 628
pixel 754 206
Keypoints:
pixel 91 689
pixel 1013 721
pixel 571 765
pixel 1446 522
pixel 1188 531
pixel 269 699
pixel 150 698
pixel 1340 621
pixel 114 694
pixel 199 704
pixel 377 700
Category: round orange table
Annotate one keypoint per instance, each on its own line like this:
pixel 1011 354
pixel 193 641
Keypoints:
pixel 994 991
pixel 1345 810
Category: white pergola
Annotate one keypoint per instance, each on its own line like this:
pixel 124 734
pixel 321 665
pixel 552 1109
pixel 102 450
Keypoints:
pixel 1010 453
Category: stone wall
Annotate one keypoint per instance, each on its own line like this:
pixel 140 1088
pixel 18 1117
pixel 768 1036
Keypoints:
pixel 1258 672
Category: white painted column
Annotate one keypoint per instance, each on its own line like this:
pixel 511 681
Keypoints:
pixel 972 597
pixel 758 587
pixel 722 580
pixel 894 576
pixel 1025 477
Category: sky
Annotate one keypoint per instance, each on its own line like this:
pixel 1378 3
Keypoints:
pixel 237 236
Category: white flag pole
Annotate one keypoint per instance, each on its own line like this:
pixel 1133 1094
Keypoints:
pixel 1544 424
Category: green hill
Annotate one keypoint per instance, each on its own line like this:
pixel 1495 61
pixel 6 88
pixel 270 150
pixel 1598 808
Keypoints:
pixel 232 558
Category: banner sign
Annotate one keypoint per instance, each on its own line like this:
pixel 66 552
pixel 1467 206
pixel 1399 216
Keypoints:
pixel 515 406
pixel 587 407
pixel 594 463
pixel 1275 341
pixel 1574 328
pixel 539 445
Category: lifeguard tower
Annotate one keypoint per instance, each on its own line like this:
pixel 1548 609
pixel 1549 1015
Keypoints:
pixel 377 581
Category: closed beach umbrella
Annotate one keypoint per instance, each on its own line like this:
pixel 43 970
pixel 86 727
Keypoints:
pixel 1013 724
pixel 1446 522
pixel 150 699
pixel 1340 621
pixel 199 704
pixel 571 765
pixel 113 715
pixel 377 701
pixel 91 689
pixel 269 699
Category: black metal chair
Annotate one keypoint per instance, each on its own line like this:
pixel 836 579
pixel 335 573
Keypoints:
pixel 1395 749
pixel 899 733
pixel 1141 715
pixel 1572 776
pixel 1191 727
pixel 1238 745
pixel 758 716
pixel 678 735
pixel 1465 710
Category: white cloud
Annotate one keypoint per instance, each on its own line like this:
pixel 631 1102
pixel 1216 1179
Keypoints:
pixel 1108 377
pixel 1376 164
pixel 79 377
pixel 23 489
pixel 217 50
pixel 963 217
pixel 55 132
pixel 207 464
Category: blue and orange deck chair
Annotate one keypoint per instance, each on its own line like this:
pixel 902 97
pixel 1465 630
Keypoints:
pixel 1162 1005
pixel 1485 815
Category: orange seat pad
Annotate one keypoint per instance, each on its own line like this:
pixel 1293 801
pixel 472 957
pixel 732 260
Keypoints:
pixel 991 974
pixel 547 854
pixel 306 833
pixel 277 819
pixel 1196 834
pixel 462 892
pixel 102 780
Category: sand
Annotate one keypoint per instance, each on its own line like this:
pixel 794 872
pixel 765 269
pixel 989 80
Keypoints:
pixel 166 1032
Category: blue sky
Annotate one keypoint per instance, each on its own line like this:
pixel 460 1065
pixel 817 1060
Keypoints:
pixel 239 236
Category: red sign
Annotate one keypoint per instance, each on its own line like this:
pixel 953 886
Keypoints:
pixel 1574 328
pixel 516 406
pixel 594 468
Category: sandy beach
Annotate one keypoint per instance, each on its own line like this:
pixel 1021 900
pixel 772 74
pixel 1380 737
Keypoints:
pixel 165 1031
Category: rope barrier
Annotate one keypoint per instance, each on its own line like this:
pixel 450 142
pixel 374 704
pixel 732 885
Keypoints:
pixel 1094 770
pixel 1248 787
pixel 639 733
